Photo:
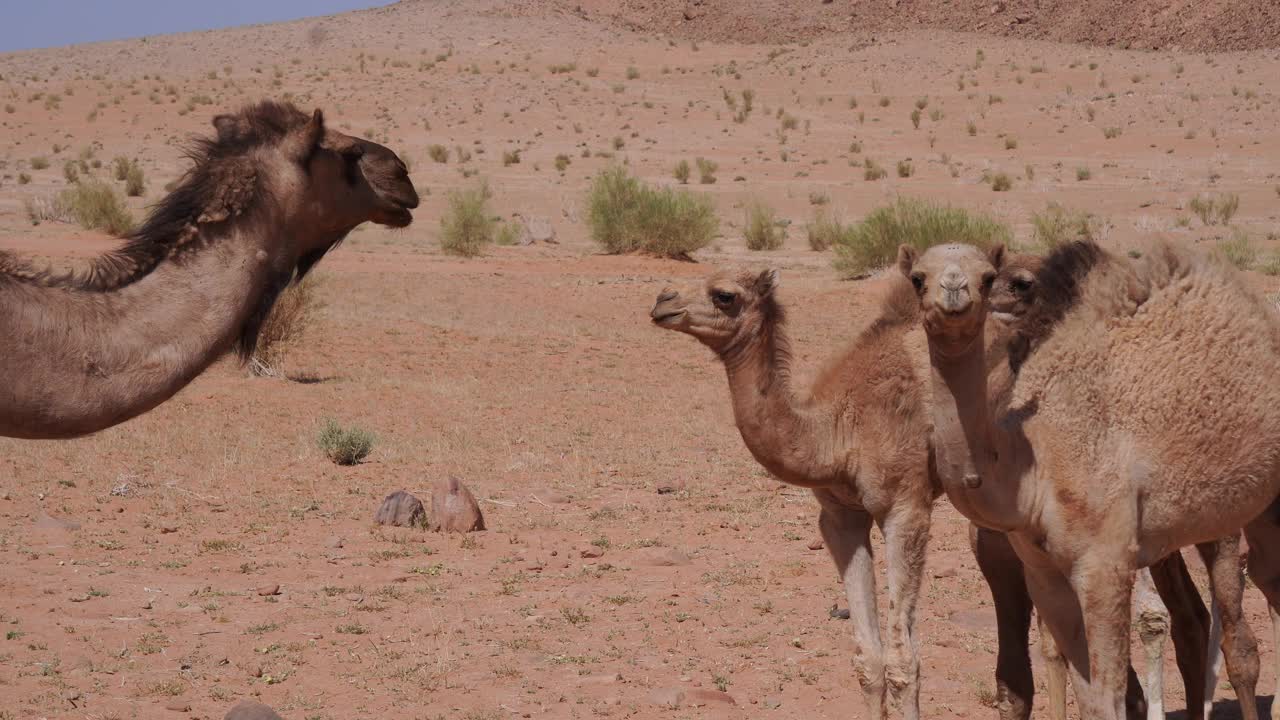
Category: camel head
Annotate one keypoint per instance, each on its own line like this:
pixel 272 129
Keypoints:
pixel 322 182
pixel 1013 293
pixel 722 312
pixel 954 284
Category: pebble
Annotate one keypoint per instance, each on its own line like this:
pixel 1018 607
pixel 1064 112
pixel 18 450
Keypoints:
pixel 178 706
pixel 267 590
pixel 592 551
pixel 335 543
pixel 79 598
pixel 816 544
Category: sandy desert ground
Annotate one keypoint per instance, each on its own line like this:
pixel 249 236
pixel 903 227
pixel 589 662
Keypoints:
pixel 133 559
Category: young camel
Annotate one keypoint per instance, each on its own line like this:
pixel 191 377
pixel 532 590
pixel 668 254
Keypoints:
pixel 265 200
pixel 1136 420
pixel 860 442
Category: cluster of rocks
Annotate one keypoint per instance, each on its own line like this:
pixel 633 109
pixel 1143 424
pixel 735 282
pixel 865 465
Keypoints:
pixel 453 509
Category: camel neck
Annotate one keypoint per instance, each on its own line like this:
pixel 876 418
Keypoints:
pixel 790 439
pixel 88 360
pixel 967 445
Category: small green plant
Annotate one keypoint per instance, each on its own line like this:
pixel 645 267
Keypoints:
pixel 1057 225
pixel 625 214
pixel 1215 209
pixel 1239 250
pixel 95 205
pixel 905 169
pixel 761 228
pixel 824 231
pixel 467 225
pixel 874 241
pixel 706 170
pixel 1083 173
pixel 438 153
pixel 345 446
pixel 1001 182
pixel 682 172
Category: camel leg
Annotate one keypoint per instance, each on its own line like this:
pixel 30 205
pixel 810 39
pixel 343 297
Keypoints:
pixel 1153 630
pixel 1002 569
pixel 906 537
pixel 1263 534
pixel 1103 585
pixel 847 534
pixel 1056 667
pixel 1188 620
pixel 1239 646
pixel 1213 670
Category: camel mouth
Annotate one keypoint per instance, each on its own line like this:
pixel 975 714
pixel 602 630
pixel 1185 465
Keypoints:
pixel 667 318
pixel 396 216
pixel 1004 316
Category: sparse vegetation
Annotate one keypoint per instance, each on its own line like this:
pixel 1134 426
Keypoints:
pixel 467 225
pixel 1215 209
pixel 345 446
pixel 872 171
pixel 39 163
pixel 625 214
pixel 706 170
pixel 1083 173
pixel 292 313
pixel 97 206
pixel 1057 225
pixel 682 172
pixel 1001 182
pixel 1239 250
pixel 824 231
pixel 905 169
pixel 438 153
pixel 761 228
pixel 874 241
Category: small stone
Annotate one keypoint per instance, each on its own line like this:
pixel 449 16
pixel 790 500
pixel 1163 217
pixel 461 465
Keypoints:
pixel 592 551
pixel 772 703
pixel 454 508
pixel 839 613
pixel 251 710
pixel 667 697
pixel 816 544
pixel 178 706
pixel 945 572
pixel 700 696
pixel 167 529
pixel 268 590
pixel 334 543
pixel 146 604
pixel 355 597
pixel 401 510
pixel 79 598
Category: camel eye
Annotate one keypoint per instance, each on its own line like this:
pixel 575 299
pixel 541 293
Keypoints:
pixel 722 298
pixel 917 281
pixel 1020 284
pixel 988 279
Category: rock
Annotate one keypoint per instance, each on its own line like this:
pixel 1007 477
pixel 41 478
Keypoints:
pixel 79 598
pixel 268 590
pixel 146 604
pixel 839 613
pixel 178 706
pixel 48 522
pixel 250 710
pixel 401 510
pixel 772 703
pixel 536 229
pixel 667 697
pixel 667 558
pixel 816 544
pixel 454 508
pixel 167 529
pixel 335 543
pixel 945 571
pixel 591 551
pixel 700 696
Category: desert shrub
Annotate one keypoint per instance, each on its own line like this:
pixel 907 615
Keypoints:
pixel 682 172
pixel 135 182
pixel 48 208
pixel 288 321
pixel 97 206
pixel 1083 173
pixel 344 446
pixel 120 167
pixel 625 215
pixel 1215 209
pixel 507 233
pixel 70 171
pixel 562 162
pixel 1057 225
pixel 706 170
pixel 761 228
pixel 874 241
pixel 824 231
pixel 915 119
pixel 872 171
pixel 1010 143
pixel 1001 182
pixel 510 158
pixel 1111 133
pixel 39 163
pixel 438 153
pixel 905 169
pixel 1239 250
pixel 467 226
pixel 632 73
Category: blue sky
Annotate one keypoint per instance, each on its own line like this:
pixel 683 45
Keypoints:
pixel 49 23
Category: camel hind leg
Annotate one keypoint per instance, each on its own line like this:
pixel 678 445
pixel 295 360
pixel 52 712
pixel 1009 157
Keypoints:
pixel 1002 569
pixel 1056 668
pixel 1263 534
pixel 1152 622
pixel 1188 623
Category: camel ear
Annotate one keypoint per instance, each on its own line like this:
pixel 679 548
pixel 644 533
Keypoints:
pixel 996 256
pixel 228 127
pixel 766 281
pixel 907 257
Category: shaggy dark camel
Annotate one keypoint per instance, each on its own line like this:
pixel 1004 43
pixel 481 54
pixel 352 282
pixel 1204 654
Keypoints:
pixel 1137 420
pixel 860 442
pixel 267 197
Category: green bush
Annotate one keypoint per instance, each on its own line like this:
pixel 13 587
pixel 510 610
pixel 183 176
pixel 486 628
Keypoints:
pixel 1239 250
pixel 626 215
pixel 97 206
pixel 467 225
pixel 874 241
pixel 134 181
pixel 825 231
pixel 345 446
pixel 1057 225
pixel 438 153
pixel 761 228
pixel 682 172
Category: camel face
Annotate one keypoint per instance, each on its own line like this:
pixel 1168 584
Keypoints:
pixel 1014 291
pixel 954 284
pixel 716 311
pixel 364 180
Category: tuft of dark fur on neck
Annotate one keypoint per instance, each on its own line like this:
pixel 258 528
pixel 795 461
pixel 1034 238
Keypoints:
pixel 1058 285
pixel 221 188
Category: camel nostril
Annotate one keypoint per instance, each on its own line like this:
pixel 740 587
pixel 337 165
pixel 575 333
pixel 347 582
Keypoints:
pixel 666 295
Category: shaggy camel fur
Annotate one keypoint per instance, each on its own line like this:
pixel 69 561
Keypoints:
pixel 1013 295
pixel 860 443
pixel 267 197
pixel 1138 420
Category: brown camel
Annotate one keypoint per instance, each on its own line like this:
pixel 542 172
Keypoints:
pixel 1013 295
pixel 860 442
pixel 1135 419
pixel 267 197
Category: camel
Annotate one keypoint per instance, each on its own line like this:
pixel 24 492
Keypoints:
pixel 1134 419
pixel 267 197
pixel 860 442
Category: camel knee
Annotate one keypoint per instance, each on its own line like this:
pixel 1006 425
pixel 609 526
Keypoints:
pixel 869 669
